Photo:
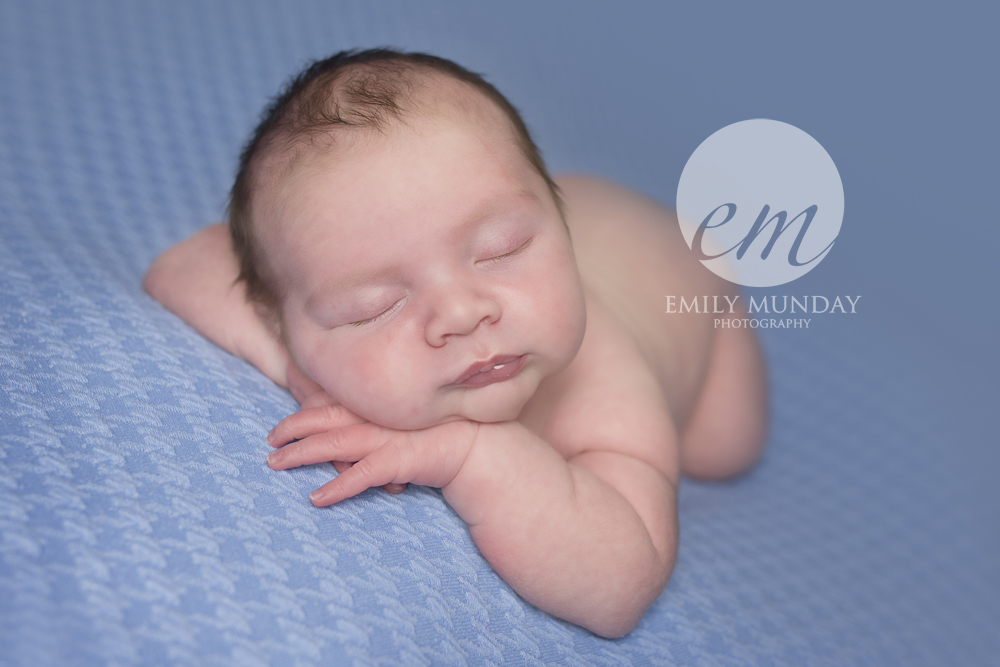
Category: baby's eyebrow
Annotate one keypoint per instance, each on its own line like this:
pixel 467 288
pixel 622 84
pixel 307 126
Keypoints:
pixel 513 198
pixel 495 205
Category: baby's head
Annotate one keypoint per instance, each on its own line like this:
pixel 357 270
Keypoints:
pixel 394 218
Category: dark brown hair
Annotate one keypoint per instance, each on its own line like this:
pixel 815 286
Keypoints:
pixel 351 89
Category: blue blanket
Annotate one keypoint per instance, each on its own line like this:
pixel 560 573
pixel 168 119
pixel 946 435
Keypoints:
pixel 139 523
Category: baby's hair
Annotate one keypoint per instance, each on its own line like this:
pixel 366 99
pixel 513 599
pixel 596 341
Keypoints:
pixel 351 89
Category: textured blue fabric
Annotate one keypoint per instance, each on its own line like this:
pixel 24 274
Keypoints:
pixel 139 523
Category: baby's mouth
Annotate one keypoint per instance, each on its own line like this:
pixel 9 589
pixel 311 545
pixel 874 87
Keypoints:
pixel 497 369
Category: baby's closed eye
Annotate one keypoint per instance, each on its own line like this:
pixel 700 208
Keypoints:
pixel 379 316
pixel 355 307
pixel 521 248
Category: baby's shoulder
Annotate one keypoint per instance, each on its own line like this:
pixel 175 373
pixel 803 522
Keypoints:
pixel 631 255
pixel 607 399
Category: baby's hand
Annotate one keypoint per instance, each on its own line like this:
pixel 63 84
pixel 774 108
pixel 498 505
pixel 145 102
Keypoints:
pixel 380 455
pixel 310 395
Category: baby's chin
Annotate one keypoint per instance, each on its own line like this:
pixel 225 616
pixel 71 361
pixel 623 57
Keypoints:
pixel 412 420
pixel 492 413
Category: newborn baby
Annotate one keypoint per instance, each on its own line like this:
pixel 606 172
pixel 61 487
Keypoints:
pixel 448 315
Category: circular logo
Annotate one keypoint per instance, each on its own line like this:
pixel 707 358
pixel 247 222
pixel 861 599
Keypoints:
pixel 760 203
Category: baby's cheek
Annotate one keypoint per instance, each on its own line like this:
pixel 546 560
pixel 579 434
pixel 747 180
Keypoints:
pixel 371 375
pixel 381 377
pixel 560 305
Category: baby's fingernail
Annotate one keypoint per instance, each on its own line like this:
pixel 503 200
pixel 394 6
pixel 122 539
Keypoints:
pixel 270 438
pixel 316 497
pixel 274 456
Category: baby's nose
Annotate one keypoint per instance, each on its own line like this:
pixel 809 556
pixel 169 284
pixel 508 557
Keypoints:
pixel 458 311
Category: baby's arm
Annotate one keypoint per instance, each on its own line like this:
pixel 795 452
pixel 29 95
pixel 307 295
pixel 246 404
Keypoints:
pixel 591 539
pixel 196 280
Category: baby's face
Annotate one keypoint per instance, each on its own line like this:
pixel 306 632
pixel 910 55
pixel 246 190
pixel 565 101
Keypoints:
pixel 427 275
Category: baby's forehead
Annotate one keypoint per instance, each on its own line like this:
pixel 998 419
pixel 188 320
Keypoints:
pixel 365 168
pixel 444 104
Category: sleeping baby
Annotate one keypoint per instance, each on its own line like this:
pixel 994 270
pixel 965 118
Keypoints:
pixel 447 314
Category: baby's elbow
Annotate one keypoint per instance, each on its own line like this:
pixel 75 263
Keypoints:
pixel 166 275
pixel 156 278
pixel 637 592
pixel 620 619
pixel 616 628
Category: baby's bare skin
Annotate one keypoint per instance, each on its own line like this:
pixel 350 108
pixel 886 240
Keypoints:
pixel 573 502
pixel 631 255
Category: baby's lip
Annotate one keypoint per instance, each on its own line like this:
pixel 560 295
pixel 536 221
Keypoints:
pixel 511 363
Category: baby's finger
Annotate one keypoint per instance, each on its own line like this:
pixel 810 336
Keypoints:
pixel 391 487
pixel 311 421
pixel 379 468
pixel 351 443
pixel 317 400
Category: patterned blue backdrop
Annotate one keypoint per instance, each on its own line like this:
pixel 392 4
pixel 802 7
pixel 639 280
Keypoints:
pixel 139 523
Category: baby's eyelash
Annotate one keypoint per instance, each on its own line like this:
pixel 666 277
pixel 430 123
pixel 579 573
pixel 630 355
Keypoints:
pixel 377 317
pixel 509 254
